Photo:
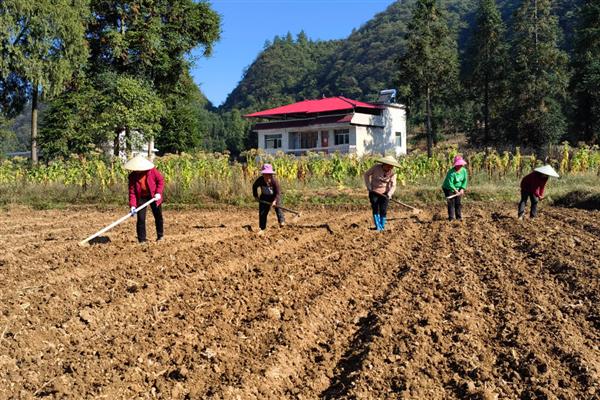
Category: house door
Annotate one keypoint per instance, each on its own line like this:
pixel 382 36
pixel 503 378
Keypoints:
pixel 324 138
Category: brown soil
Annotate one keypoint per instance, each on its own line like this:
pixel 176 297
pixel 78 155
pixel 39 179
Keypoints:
pixel 325 308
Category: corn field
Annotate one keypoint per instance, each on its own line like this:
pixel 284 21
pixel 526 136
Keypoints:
pixel 218 176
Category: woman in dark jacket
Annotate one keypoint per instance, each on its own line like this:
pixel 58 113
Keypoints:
pixel 145 183
pixel 270 196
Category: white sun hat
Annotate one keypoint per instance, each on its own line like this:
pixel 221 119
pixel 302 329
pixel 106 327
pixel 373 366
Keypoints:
pixel 547 170
pixel 388 160
pixel 139 163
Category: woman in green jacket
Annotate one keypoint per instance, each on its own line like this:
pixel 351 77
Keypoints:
pixel 454 187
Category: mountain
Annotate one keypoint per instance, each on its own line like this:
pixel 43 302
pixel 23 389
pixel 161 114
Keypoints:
pixel 359 66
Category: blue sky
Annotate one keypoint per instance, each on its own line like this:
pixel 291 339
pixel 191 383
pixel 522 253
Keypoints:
pixel 247 24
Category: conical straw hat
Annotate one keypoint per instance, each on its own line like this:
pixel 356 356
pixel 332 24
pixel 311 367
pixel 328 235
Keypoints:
pixel 547 170
pixel 138 163
pixel 388 160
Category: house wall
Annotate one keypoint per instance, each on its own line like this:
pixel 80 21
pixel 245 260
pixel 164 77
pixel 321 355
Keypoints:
pixel 368 134
pixel 380 136
pixel 321 129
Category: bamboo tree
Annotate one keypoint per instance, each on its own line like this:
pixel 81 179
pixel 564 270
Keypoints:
pixel 43 43
pixel 429 67
pixel 586 78
pixel 539 77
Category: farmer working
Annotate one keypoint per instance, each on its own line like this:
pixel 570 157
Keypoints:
pixel 270 196
pixel 532 187
pixel 145 183
pixel 454 186
pixel 381 184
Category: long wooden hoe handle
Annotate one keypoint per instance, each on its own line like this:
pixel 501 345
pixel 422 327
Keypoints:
pixel 405 205
pixel 117 222
pixel 281 208
pixel 453 196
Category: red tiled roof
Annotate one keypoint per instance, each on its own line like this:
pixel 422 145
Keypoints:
pixel 329 119
pixel 314 106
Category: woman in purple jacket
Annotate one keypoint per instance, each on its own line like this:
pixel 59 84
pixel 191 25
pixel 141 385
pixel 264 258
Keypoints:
pixel 270 196
pixel 145 183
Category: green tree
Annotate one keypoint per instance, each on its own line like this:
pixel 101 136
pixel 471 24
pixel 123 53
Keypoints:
pixel 429 66
pixel 42 42
pixel 539 78
pixel 130 105
pixel 586 78
pixel 95 113
pixel 183 128
pixel 488 72
pixel 150 39
pixel 70 123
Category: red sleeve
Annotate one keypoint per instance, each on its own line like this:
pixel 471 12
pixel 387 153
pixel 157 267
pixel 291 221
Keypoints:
pixel 132 197
pixel 541 185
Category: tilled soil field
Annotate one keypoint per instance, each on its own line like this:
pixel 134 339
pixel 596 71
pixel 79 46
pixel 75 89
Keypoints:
pixel 324 308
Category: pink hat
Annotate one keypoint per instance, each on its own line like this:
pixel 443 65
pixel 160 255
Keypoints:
pixel 459 161
pixel 267 169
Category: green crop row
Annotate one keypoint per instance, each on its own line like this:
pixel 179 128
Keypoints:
pixel 205 169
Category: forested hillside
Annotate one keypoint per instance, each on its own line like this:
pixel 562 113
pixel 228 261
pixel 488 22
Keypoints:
pixel 362 64
pixel 501 71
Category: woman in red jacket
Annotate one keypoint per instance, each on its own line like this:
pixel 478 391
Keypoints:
pixel 532 187
pixel 145 183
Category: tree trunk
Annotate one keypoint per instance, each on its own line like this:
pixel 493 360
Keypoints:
pixel 428 124
pixel 151 149
pixel 34 120
pixel 486 113
pixel 128 145
pixel 117 145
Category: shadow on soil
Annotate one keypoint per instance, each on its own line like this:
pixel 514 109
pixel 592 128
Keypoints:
pixel 580 199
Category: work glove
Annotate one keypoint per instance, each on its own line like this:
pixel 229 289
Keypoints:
pixel 133 212
pixel 157 196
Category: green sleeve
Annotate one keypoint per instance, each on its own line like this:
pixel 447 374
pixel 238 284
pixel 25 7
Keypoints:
pixel 449 181
pixel 466 180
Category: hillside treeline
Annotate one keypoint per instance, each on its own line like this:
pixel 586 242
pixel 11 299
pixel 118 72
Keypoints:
pixel 506 72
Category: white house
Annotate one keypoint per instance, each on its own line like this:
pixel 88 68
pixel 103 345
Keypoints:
pixel 334 124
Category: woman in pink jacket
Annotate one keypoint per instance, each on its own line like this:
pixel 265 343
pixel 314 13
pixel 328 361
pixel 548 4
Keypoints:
pixel 145 183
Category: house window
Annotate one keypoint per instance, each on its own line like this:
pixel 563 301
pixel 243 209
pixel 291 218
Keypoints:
pixel 303 140
pixel 342 136
pixel 308 140
pixel 273 141
pixel 399 139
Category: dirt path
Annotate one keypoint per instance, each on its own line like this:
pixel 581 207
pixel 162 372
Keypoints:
pixel 324 308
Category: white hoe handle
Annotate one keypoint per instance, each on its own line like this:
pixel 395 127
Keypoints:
pixel 453 196
pixel 117 222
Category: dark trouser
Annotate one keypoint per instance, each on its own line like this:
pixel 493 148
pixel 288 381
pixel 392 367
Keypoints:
pixel 141 220
pixel 379 204
pixel 263 211
pixel 523 203
pixel 454 205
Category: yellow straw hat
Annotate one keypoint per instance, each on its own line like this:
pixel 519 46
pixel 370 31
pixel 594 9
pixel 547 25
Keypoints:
pixel 139 163
pixel 388 160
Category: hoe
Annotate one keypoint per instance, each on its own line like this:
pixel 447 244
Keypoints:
pixel 117 222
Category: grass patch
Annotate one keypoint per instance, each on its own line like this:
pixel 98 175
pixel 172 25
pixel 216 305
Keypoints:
pixel 582 190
